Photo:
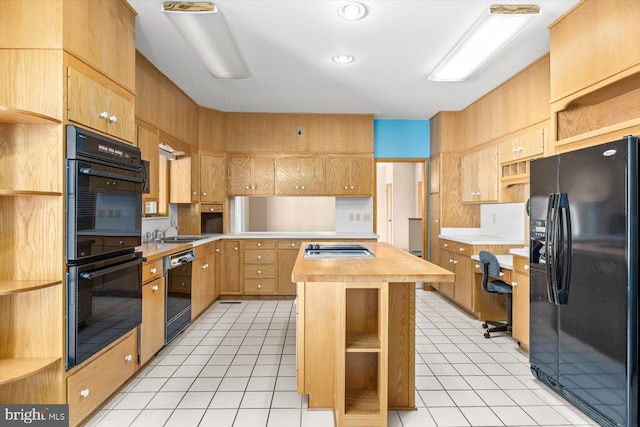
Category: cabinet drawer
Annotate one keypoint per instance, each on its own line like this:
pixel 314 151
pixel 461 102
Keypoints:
pixel 92 385
pixel 259 286
pixel 457 247
pixel 259 256
pixel 152 270
pixel 214 207
pixel 505 275
pixel 252 271
pixel 289 244
pixel 521 265
pixel 260 244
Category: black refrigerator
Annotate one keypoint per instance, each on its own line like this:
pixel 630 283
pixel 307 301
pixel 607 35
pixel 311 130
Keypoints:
pixel 584 278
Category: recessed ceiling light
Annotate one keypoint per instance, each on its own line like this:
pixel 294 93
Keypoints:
pixel 343 58
pixel 352 11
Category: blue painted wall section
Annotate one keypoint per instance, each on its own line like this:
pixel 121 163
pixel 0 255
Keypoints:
pixel 401 139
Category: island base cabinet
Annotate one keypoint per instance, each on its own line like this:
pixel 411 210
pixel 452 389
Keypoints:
pixel 113 367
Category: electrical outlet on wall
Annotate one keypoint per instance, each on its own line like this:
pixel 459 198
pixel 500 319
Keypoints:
pixel 358 217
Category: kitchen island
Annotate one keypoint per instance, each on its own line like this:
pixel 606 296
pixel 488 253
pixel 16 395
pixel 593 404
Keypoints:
pixel 355 338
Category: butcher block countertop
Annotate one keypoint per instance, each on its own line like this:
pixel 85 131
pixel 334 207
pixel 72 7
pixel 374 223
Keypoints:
pixel 389 265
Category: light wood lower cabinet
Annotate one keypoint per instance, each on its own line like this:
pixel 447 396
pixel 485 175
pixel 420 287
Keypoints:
pixel 152 327
pixel 520 302
pixel 287 254
pixel 88 387
pixel 259 266
pixel 229 266
pixel 203 282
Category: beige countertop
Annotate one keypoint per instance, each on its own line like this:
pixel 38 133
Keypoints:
pixel 480 239
pixel 389 265
pixel 523 252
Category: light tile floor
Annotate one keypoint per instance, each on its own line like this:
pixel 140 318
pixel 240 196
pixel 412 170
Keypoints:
pixel 235 367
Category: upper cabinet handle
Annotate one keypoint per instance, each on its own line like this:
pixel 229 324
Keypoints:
pixel 113 119
pixel 104 115
pixel 526 266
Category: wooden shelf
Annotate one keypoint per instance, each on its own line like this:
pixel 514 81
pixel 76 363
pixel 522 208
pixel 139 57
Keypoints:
pixel 363 342
pixel 16 369
pixel 8 287
pixel 361 401
pixel 16 116
pixel 514 180
pixel 601 131
pixel 21 193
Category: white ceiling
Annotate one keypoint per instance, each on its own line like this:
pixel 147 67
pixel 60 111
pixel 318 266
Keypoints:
pixel 288 45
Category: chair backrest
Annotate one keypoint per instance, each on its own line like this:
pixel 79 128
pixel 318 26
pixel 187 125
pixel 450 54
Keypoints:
pixel 490 267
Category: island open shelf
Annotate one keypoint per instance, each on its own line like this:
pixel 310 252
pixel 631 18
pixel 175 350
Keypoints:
pixel 355 340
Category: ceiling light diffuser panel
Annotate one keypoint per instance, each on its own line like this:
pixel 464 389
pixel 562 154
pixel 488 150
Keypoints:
pixel 490 33
pixel 204 29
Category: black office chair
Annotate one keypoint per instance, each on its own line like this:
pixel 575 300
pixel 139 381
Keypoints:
pixel 491 268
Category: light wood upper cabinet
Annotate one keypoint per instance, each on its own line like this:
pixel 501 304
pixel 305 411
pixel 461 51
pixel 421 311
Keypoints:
pixel 250 176
pixel 299 176
pixel 480 175
pixel 595 41
pixel 148 140
pixel 522 147
pixel 340 133
pixel 434 174
pixel 102 34
pixel 212 178
pixel 99 105
pixel 349 176
pixel 211 133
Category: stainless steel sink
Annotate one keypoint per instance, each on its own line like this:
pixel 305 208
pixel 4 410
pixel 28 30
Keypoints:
pixel 181 239
pixel 337 251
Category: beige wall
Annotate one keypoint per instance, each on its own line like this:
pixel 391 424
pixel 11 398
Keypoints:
pixel 290 214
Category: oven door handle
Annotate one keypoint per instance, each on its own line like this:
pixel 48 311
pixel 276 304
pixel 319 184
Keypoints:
pixel 90 275
pixel 91 172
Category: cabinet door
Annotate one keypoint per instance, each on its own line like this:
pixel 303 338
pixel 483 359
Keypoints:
pixel 361 177
pixel 148 141
pixel 434 174
pixel 487 163
pixel 520 309
pixel 152 327
pixel 238 175
pixel 469 166
pixel 434 229
pixel 312 176
pixel 262 174
pixel 120 63
pixel 230 267
pixel 286 260
pixel 83 22
pixel 212 179
pixel 180 180
pixel 463 291
pixel 446 260
pixel 337 171
pixel 86 101
pixel 196 168
pixel 288 178
pixel 121 117
pixel 203 285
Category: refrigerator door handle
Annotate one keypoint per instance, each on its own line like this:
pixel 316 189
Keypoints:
pixel 564 248
pixel 550 249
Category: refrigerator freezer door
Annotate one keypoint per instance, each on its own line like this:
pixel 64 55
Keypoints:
pixel 593 324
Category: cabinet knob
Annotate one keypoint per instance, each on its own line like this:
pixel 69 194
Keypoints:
pixel 247 187
pixel 297 187
pixel 153 270
pixel 259 257
pixel 352 187
pixel 450 261
pixel 514 284
pixel 455 262
pixel 259 271
pixel 515 149
pixel 104 114
pixel 84 393
pixel 526 266
pixel 194 193
pixel 113 119
pixel 293 245
pixel 259 245
pixel 211 209
pixel 204 267
pixel 121 242
pixel 253 187
pixel 217 249
pixel 461 249
pixel 473 193
pixel 501 274
pixel 446 245
pixel 345 187
pixel 154 288
pixel 436 221
pixel 235 249
pixel 128 358
pixel 478 193
pixel 302 187
pixel 259 286
pixel 478 266
pixel 204 193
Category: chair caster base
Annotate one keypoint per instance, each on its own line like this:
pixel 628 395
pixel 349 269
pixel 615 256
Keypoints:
pixel 486 335
pixel 484 325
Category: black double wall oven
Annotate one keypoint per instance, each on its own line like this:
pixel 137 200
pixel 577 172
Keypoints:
pixel 103 224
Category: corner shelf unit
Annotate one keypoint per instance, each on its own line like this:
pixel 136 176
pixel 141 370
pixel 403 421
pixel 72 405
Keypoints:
pixel 362 358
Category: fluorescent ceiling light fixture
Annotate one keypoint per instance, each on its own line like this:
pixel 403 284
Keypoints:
pixel 495 28
pixel 343 58
pixel 352 11
pixel 203 27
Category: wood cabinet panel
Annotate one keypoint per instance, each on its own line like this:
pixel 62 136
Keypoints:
pixel 203 291
pixel 453 213
pixel 349 176
pixel 257 271
pixel 337 176
pixel 259 256
pixel 299 176
pixel 582 58
pixel 213 175
pixel 434 174
pixel 340 133
pixel 520 301
pixel 480 175
pixel 228 262
pixel 152 270
pixel 148 140
pixel 250 176
pixel 286 260
pixel 266 132
pixel 152 327
pixel 259 286
pixel 262 172
pixel 113 367
pixel 524 146
pixel 150 94
pixel 211 125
